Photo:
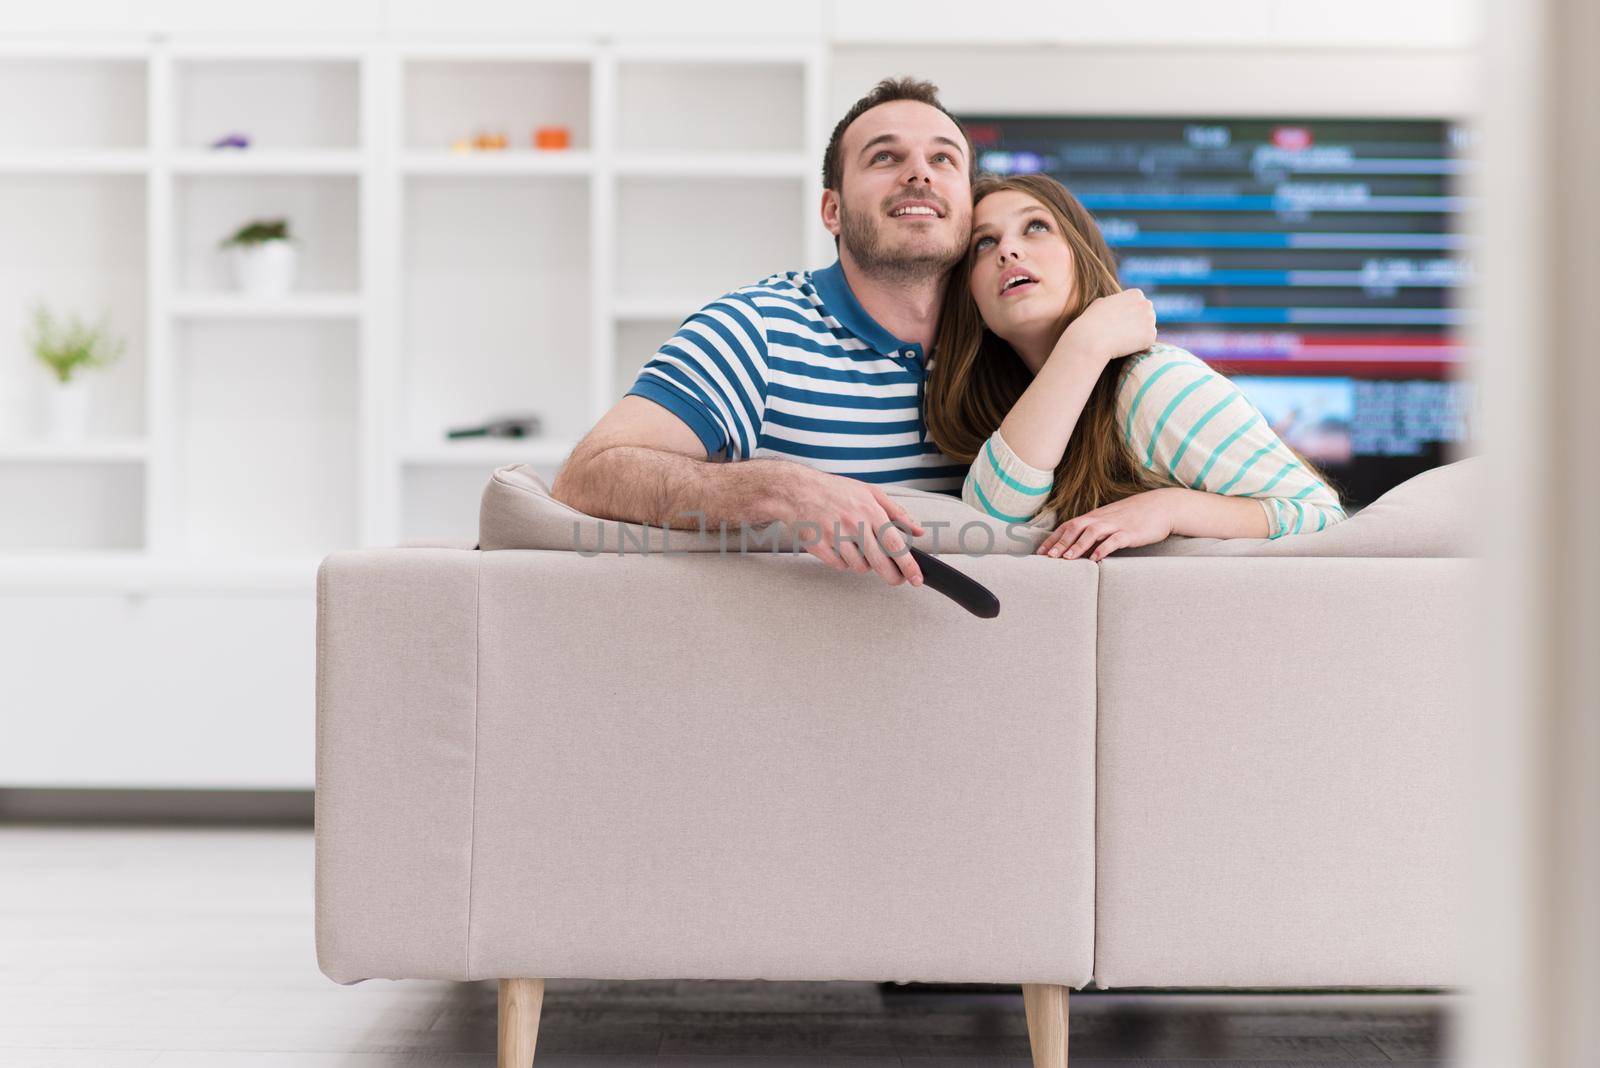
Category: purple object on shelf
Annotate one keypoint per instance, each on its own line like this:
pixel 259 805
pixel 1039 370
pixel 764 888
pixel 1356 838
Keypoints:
pixel 233 140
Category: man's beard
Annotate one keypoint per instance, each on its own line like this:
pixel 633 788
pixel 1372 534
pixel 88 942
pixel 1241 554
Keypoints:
pixel 864 237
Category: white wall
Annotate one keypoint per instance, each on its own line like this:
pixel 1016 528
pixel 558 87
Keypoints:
pixel 1376 24
pixel 1204 80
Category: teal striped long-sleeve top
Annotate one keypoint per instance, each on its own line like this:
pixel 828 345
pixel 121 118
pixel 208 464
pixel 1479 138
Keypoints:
pixel 1185 420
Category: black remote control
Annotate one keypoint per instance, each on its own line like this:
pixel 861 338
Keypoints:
pixel 956 585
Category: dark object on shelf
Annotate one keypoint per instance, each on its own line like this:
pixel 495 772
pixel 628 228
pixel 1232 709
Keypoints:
pixel 956 585
pixel 232 140
pixel 510 426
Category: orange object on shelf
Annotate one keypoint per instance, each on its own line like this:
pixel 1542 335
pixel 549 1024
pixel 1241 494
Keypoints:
pixel 552 137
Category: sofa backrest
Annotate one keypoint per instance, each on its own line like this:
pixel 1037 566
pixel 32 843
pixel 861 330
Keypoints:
pixel 1431 515
pixel 518 512
pixel 1434 514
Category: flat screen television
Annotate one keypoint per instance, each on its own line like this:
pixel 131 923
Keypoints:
pixel 1316 262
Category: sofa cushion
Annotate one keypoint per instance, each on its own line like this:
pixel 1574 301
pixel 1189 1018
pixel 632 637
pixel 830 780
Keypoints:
pixel 1434 514
pixel 517 512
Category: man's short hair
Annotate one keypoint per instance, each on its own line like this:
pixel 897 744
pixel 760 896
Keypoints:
pixel 885 92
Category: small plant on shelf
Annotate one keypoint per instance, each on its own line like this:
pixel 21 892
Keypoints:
pixel 66 350
pixel 258 230
pixel 263 257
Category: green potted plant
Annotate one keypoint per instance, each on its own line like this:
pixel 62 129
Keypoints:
pixel 67 350
pixel 263 257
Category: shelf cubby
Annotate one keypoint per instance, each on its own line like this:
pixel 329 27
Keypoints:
pixel 322 212
pixel 637 341
pixel 280 104
pixel 70 505
pixel 454 98
pixel 442 500
pixel 495 304
pixel 72 105
pixel 77 244
pixel 699 107
pixel 705 235
pixel 267 437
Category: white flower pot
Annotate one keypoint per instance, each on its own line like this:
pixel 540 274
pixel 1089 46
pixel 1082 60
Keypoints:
pixel 265 269
pixel 68 412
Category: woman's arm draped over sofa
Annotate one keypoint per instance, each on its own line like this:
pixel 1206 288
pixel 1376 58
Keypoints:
pixel 1194 425
pixel 1005 485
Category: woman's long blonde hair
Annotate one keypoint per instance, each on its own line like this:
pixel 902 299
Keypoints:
pixel 977 376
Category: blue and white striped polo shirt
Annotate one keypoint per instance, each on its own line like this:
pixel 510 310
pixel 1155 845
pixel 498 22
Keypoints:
pixel 793 368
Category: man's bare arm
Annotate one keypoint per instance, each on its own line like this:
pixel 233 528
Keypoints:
pixel 643 464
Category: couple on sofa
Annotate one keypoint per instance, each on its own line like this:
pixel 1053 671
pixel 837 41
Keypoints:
pixel 971 338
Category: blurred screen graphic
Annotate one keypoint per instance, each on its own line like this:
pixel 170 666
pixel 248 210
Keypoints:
pixel 1316 262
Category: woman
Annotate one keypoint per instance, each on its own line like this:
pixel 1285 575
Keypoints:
pixel 1051 383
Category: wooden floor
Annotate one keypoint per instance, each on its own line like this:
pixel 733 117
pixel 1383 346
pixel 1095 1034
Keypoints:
pixel 174 947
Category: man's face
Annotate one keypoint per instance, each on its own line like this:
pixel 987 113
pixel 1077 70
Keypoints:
pixel 904 209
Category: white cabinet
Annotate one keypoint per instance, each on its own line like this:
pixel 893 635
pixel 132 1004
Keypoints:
pixel 172 688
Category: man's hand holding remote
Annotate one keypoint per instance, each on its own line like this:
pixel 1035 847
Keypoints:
pixel 857 523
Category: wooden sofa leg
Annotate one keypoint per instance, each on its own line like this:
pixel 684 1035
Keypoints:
pixel 1046 1006
pixel 520 1002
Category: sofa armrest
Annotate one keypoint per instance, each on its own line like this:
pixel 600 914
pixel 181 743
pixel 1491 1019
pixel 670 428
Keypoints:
pixel 396 704
pixel 1281 771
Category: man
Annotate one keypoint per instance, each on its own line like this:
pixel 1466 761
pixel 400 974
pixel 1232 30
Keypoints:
pixel 812 381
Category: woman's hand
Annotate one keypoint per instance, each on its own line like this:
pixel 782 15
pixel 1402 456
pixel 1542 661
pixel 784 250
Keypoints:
pixel 1112 326
pixel 1137 520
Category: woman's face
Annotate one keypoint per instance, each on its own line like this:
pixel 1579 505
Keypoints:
pixel 1022 270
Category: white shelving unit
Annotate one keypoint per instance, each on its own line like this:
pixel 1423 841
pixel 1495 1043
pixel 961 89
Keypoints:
pixel 525 276
pixel 73 185
pixel 435 288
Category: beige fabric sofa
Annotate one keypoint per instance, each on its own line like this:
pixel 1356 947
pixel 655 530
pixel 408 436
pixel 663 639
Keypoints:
pixel 1174 768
